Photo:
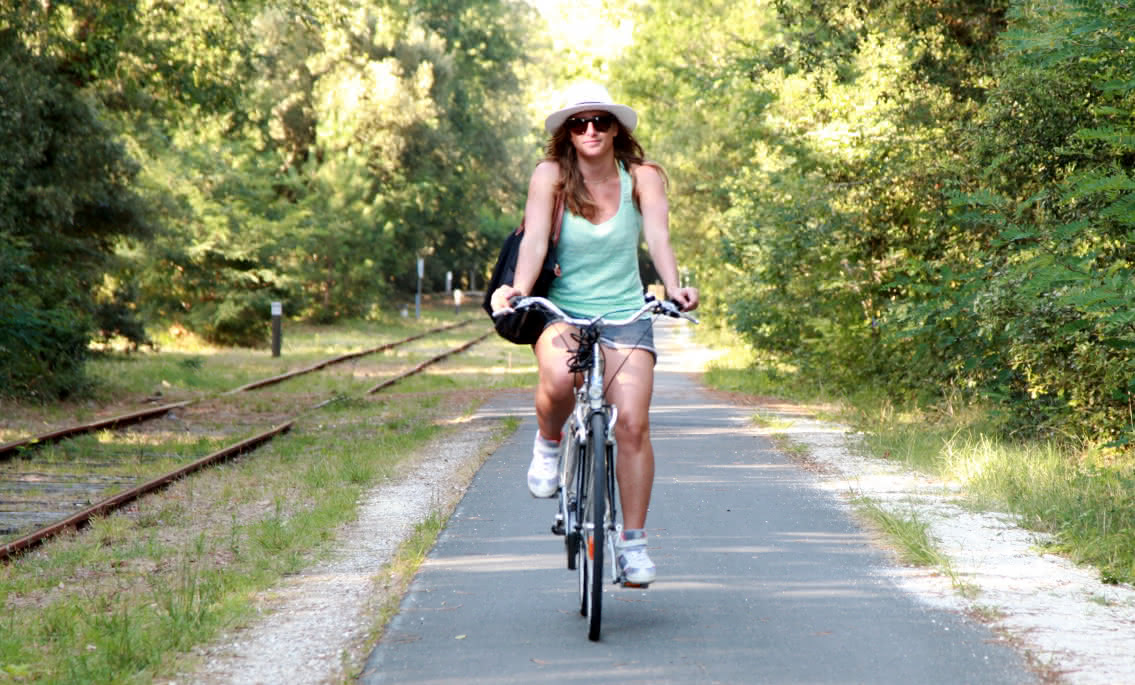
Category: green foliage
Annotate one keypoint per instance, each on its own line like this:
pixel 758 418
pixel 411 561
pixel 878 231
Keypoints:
pixel 305 151
pixel 1044 301
pixel 65 198
pixel 368 134
pixel 812 136
pixel 932 199
pixel 43 351
pixel 116 315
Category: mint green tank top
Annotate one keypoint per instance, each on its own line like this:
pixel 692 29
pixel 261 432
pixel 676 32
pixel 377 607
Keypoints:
pixel 599 262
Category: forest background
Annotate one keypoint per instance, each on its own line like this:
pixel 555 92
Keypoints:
pixel 931 199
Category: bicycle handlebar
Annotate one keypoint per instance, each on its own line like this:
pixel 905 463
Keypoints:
pixel 652 306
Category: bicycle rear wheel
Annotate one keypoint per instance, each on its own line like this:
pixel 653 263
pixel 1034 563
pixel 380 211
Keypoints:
pixel 594 528
pixel 569 488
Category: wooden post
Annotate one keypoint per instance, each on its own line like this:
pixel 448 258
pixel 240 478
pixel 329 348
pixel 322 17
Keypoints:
pixel 418 296
pixel 277 314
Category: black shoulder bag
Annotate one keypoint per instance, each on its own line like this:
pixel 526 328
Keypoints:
pixel 524 328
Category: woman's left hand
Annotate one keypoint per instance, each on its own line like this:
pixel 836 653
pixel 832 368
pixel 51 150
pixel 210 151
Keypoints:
pixel 686 297
pixel 500 297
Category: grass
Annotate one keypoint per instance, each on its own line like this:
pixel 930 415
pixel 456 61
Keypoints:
pixel 911 538
pixel 790 447
pixel 917 547
pixel 1083 496
pixel 121 600
pixel 770 421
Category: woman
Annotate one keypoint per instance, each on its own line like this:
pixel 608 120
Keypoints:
pixel 610 194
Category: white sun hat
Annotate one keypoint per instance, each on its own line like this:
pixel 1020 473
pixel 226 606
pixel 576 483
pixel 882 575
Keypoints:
pixel 586 97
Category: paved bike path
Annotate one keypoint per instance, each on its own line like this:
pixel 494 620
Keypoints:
pixel 762 578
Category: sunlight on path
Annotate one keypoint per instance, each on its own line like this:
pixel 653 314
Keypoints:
pixel 677 350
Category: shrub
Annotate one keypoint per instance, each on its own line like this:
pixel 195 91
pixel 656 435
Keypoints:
pixel 43 351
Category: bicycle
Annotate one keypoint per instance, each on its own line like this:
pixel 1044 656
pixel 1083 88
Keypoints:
pixel 587 510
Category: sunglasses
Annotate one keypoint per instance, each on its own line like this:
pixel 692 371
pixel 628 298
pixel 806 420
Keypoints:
pixel 578 125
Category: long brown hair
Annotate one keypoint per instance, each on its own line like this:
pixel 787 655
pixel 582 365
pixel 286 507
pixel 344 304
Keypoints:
pixel 578 200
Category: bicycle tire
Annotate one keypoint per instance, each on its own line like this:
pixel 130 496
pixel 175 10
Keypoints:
pixel 596 512
pixel 581 568
pixel 571 546
pixel 568 490
pixel 582 498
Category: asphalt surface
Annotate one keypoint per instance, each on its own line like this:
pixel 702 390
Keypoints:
pixel 762 578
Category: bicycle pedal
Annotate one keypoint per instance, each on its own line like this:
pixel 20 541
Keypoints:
pixel 558 527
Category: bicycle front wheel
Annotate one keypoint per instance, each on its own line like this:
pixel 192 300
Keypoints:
pixel 581 479
pixel 594 528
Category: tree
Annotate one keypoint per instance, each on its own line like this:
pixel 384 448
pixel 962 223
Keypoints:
pixel 65 198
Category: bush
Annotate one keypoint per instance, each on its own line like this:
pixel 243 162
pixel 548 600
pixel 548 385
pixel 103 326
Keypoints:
pixel 1044 286
pixel 65 199
pixel 43 351
pixel 240 319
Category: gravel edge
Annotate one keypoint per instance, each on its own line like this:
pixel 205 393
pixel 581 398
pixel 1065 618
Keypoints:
pixel 317 626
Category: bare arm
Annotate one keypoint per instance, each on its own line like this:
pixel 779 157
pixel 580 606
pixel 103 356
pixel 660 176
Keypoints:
pixel 656 228
pixel 537 231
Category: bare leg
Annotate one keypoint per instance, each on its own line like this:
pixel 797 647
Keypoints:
pixel 554 397
pixel 630 385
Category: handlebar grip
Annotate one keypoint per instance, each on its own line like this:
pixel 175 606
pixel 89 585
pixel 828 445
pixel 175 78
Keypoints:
pixel 670 308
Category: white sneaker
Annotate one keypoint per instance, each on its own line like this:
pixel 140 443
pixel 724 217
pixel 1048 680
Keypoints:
pixel 634 563
pixel 544 471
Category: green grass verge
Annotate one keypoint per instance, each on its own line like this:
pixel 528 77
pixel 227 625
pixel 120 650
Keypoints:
pixel 1083 497
pixel 185 366
pixel 917 547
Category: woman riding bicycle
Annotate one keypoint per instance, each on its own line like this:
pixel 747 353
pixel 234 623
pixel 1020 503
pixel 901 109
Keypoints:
pixel 611 195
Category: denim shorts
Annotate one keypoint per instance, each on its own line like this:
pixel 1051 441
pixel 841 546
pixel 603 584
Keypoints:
pixel 635 335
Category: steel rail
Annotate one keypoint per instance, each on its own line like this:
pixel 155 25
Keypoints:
pixel 346 357
pixel 113 502
pixel 418 369
pixel 9 449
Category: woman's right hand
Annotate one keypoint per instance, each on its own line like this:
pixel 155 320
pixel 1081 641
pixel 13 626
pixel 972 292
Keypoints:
pixel 501 296
pixel 687 298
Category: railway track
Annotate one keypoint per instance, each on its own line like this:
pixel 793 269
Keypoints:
pixel 10 449
pixel 56 502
